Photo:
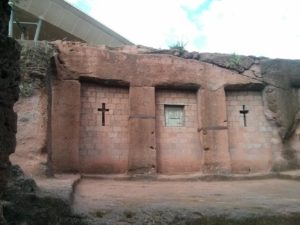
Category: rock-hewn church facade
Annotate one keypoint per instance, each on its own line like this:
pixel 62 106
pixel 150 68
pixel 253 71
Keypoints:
pixel 118 111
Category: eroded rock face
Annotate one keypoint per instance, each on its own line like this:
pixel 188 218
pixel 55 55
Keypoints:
pixel 282 100
pixel 23 202
pixel 32 107
pixel 9 92
pixel 35 61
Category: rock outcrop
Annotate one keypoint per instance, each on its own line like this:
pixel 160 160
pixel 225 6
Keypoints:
pixel 22 201
pixel 282 99
pixel 32 107
pixel 26 204
pixel 9 92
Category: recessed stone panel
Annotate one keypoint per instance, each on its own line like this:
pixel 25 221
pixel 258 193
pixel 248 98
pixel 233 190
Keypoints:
pixel 104 129
pixel 178 142
pixel 251 136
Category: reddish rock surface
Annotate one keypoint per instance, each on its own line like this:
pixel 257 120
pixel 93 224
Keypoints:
pixel 206 144
pixel 214 139
pixel 32 108
pixel 31 152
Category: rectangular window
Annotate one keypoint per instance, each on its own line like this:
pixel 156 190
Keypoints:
pixel 174 115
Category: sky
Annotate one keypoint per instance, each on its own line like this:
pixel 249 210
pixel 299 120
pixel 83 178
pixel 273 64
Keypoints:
pixel 268 28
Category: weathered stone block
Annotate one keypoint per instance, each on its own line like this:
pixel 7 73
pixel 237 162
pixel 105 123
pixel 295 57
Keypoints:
pixel 65 126
pixel 142 146
pixel 142 141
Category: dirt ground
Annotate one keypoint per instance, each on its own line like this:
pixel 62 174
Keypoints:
pixel 176 199
pixel 109 200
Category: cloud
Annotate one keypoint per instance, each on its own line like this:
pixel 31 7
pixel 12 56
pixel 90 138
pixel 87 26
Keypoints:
pixel 252 27
pixel 153 23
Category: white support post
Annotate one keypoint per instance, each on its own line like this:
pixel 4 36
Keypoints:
pixel 38 30
pixel 11 22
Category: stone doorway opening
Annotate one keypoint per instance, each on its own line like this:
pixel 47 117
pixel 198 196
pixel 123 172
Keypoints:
pixel 104 140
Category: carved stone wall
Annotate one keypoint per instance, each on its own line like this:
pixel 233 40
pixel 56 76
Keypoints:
pixel 146 72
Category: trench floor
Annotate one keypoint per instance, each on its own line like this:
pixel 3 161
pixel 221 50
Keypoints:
pixel 231 198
